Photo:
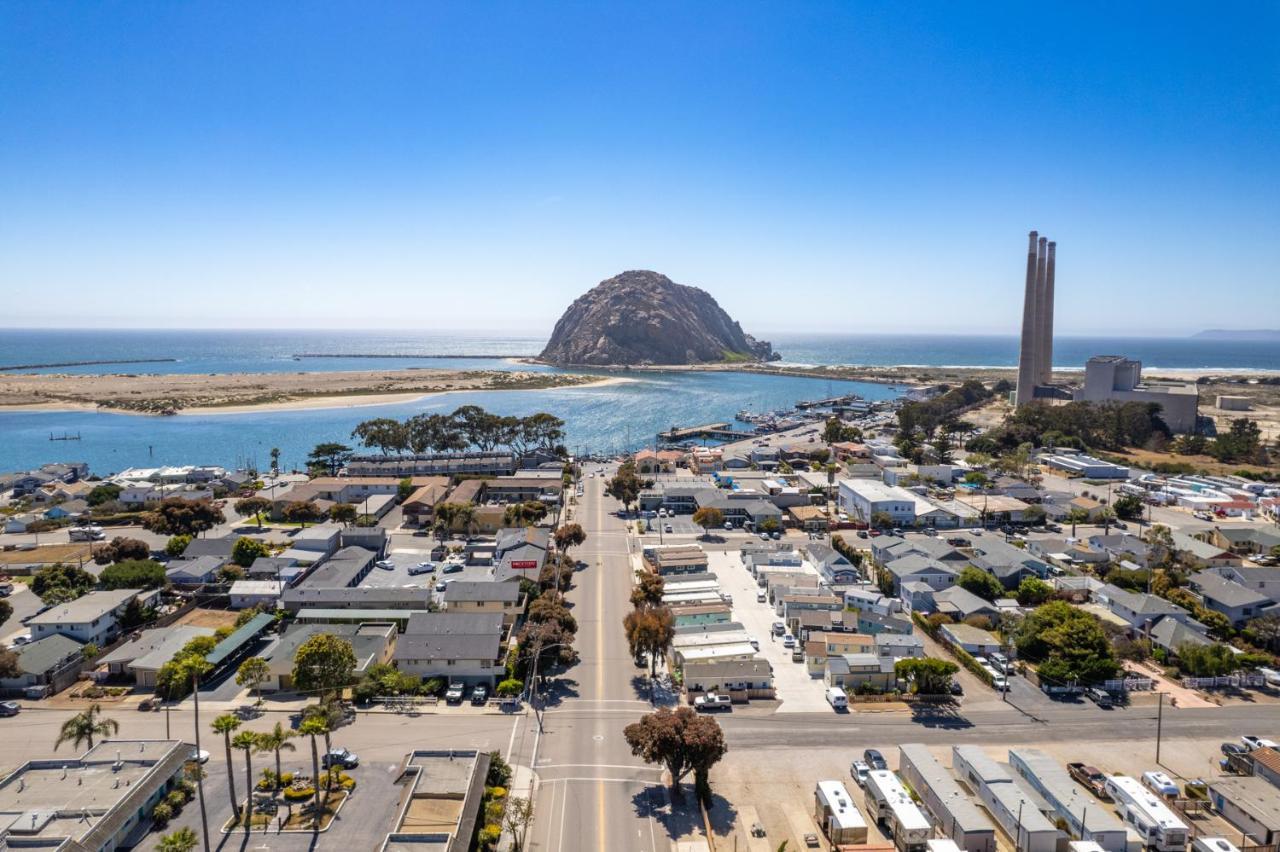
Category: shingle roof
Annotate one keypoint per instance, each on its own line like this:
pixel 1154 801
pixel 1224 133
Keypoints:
pixel 1214 587
pixel 48 653
pixel 1171 634
pixel 479 590
pixel 87 608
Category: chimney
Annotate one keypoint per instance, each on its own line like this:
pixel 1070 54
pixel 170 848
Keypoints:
pixel 1027 351
pixel 1046 321
pixel 1041 257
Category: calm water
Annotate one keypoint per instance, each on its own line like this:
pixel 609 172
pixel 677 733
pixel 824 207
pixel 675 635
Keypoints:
pixel 599 419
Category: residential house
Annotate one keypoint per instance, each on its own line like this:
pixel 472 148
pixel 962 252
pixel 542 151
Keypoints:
pixel 1170 634
pixel 256 593
pixel 690 615
pixel 45 665
pixel 875 623
pixel 419 507
pixel 372 643
pixel 195 571
pixel 1244 540
pixel 1008 564
pixel 221 546
pixel 142 656
pixel 961 604
pixel 975 640
pixel 1237 602
pixel 1139 610
pixel 1263 580
pixel 918 568
pixel 833 567
pixel 674 559
pixel 657 461
pixel 1203 554
pixel 459 647
pixel 382 597
pixel 93 617
pixel 753 677
pixel 314 544
pixel 860 671
pixel 466 596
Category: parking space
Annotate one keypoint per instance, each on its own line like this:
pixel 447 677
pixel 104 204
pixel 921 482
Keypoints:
pixel 797 692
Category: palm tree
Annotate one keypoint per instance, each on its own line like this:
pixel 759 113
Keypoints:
pixel 182 840
pixel 248 742
pixel 1076 516
pixel 192 667
pixel 83 727
pixel 313 728
pixel 225 725
pixel 466 515
pixel 277 740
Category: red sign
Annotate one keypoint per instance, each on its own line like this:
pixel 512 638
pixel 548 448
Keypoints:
pixel 524 564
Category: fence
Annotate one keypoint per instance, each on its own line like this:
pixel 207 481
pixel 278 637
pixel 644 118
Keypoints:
pixel 1234 681
pixel 1129 684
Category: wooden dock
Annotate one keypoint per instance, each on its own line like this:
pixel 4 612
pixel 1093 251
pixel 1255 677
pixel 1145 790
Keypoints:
pixel 716 431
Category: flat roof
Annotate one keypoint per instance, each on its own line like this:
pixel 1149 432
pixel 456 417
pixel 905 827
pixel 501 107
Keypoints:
pixel 964 813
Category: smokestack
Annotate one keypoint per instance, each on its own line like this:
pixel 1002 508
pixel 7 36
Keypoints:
pixel 1041 255
pixel 1027 351
pixel 1046 314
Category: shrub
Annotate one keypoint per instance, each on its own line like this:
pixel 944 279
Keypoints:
pixel 510 687
pixel 175 800
pixel 299 794
pixel 161 814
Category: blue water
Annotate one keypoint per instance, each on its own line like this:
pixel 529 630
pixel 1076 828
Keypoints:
pixel 601 419
pixel 608 418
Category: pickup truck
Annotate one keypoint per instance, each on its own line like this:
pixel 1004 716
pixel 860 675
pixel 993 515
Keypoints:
pixel 1090 778
pixel 712 701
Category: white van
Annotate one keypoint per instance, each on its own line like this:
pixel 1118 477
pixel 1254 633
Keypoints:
pixel 837 699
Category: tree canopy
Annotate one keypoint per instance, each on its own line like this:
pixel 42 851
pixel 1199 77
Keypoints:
pixel 133 574
pixel 246 550
pixel 980 583
pixel 1068 643
pixel 119 549
pixel 176 516
pixel 324 663
pixel 59 584
pixel 681 740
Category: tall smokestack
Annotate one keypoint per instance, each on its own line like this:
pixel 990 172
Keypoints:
pixel 1046 318
pixel 1041 255
pixel 1027 351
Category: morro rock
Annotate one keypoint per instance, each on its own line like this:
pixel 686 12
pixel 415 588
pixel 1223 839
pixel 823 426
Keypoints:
pixel 642 317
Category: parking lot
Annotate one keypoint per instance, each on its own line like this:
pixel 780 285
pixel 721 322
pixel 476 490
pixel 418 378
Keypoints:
pixel 797 692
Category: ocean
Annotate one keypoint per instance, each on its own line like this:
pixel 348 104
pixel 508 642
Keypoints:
pixel 608 418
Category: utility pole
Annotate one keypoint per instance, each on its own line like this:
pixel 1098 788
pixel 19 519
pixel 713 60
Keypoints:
pixel 1159 725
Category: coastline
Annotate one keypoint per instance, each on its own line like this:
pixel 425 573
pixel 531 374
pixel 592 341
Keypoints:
pixel 355 399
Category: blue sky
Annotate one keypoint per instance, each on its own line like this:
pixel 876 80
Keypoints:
pixel 827 166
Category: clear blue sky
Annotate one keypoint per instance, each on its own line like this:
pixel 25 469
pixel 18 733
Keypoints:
pixel 836 166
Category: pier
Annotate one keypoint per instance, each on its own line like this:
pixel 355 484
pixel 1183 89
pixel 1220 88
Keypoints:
pixel 13 368
pixel 714 431
pixel 829 403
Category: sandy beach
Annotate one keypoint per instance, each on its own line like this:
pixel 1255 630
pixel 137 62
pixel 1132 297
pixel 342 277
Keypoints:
pixel 186 394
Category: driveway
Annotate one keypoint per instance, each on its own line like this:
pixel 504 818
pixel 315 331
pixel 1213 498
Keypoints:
pixel 798 692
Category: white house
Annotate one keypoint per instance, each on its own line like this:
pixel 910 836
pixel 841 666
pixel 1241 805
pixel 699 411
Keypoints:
pixel 91 618
pixel 863 498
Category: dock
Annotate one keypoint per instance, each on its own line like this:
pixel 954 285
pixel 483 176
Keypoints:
pixel 714 431
pixel 828 403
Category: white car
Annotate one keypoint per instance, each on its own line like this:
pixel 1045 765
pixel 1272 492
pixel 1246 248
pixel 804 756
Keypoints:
pixel 385 564
pixel 21 639
pixel 199 755
pixel 788 641
pixel 755 643
pixel 421 568
pixel 859 771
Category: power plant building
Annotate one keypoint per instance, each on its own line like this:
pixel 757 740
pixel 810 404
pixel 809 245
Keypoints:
pixel 1114 378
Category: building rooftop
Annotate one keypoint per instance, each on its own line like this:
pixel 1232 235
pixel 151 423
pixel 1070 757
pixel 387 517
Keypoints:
pixel 85 609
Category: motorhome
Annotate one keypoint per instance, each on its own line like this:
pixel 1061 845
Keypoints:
pixel 889 803
pixel 1147 814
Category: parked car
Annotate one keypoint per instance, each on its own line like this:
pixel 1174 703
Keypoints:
pixel 727 598
pixel 775 535
pixel 712 701
pixel 6 589
pixel 874 759
pixel 762 597
pixel 340 757
pixel 455 693
pixel 421 568
pixel 199 755
pixel 1229 749
pixel 1250 742
pixel 755 643
pixel 452 568
pixel 779 628
pixel 728 525
pixel 837 699
pixel 956 688
pixel 667 528
pixel 862 533
pixel 788 641
pixel 797 655
pixel 480 694
pixel 859 771
pixel 9 708
pixel 1100 697
pixel 21 639
pixel 1091 778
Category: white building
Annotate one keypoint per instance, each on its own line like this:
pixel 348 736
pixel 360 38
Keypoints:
pixel 91 618
pixel 862 498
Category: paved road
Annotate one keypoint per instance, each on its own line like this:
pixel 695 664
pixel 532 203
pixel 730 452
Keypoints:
pixel 593 794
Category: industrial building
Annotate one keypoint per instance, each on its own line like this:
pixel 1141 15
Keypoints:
pixel 1114 378
pixel 1070 802
pixel 1013 807
pixel 952 810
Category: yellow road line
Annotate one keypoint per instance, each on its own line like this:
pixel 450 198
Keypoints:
pixel 600 580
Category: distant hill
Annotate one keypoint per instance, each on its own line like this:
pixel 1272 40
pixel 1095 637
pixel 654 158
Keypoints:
pixel 643 317
pixel 1256 334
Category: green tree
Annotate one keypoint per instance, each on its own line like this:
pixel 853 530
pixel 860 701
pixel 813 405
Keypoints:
pixel 1033 591
pixel 10 665
pixel 176 516
pixel 120 549
pixel 383 434
pixel 246 550
pixel 931 676
pixel 83 727
pixel 681 740
pixel 312 728
pixel 226 724
pixel 177 545
pixel 980 583
pixel 647 590
pixel 255 506
pixel 252 673
pixel 323 664
pixel 329 457
pixel 650 631
pixel 104 493
pixel 134 574
pixel 248 742
pixel 276 740
pixel 1074 517
pixel 6 611
pixel 517 817
pixel 343 513
pixel 708 517
pixel 275 461
pixel 1034 514
pixel 1128 507
pixel 1068 643
pixel 302 512
pixel 181 840
pixel 569 535
pixel 60 583
pixel 626 485
pixel 1213 660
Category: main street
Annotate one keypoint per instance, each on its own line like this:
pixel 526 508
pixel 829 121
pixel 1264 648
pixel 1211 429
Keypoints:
pixel 592 793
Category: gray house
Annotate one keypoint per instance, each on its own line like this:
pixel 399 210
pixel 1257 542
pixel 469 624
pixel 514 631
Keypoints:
pixel 1228 597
